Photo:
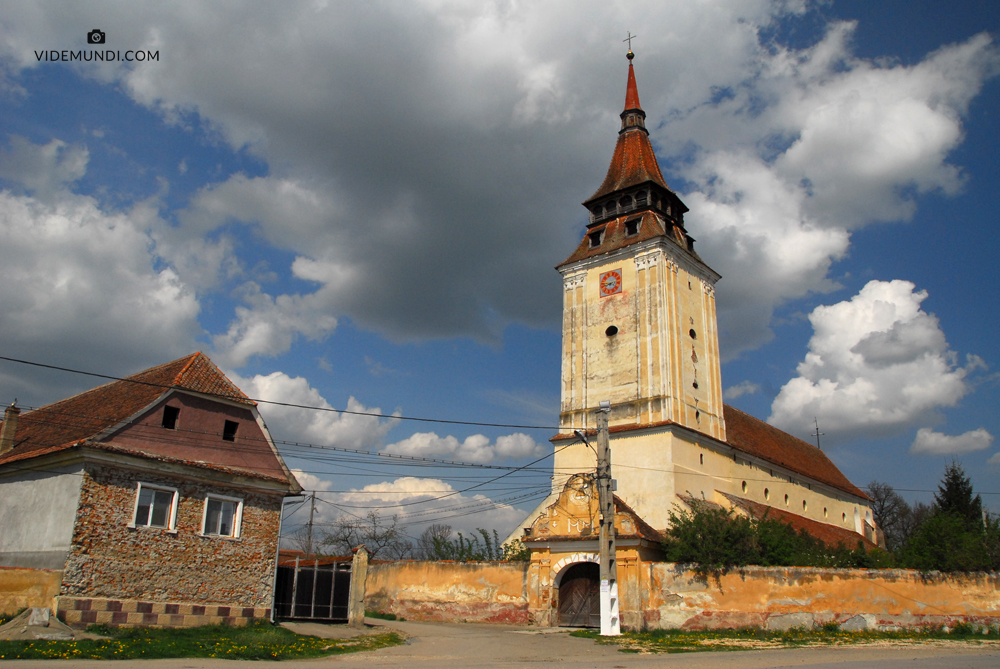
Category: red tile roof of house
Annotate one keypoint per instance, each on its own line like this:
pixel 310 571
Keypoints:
pixel 81 418
pixel 831 535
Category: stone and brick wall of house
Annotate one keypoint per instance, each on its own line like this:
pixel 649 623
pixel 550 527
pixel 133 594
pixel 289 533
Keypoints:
pixel 112 568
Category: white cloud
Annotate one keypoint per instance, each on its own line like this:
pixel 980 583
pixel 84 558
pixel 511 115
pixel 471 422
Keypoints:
pixel 81 286
pixel 311 481
pixel 43 169
pixel 740 389
pixel 327 428
pixel 929 442
pixel 431 168
pixel 476 448
pixel 877 364
pixel 421 501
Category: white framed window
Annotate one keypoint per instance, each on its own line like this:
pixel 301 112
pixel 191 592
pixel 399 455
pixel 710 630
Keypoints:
pixel 155 506
pixel 222 516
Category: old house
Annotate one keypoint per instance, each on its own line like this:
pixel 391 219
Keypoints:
pixel 640 332
pixel 151 500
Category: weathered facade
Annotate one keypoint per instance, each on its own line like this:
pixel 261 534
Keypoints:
pixel 666 596
pixel 156 498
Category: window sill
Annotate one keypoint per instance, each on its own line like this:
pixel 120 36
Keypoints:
pixel 147 528
pixel 220 537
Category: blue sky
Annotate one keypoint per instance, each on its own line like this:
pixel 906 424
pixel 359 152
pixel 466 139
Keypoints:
pixel 361 206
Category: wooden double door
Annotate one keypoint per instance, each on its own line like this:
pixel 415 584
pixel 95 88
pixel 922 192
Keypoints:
pixel 580 596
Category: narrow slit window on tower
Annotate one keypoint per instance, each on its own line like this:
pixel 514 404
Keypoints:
pixel 595 239
pixel 694 335
pixel 229 430
pixel 632 227
pixel 701 458
pixel 170 415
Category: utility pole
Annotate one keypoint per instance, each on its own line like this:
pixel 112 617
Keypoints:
pixel 309 532
pixel 610 618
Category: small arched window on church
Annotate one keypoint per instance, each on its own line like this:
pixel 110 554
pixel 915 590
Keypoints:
pixel 767 494
pixel 632 227
pixel 626 202
pixel 805 506
pixel 701 458
pixel 640 197
pixel 786 500
pixel 610 208
pixel 744 486
pixel 595 238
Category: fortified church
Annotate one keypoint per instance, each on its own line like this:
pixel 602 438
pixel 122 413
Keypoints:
pixel 640 332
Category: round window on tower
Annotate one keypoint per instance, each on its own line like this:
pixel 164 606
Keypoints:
pixel 611 331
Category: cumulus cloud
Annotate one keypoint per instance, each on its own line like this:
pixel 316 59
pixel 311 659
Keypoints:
pixel 929 442
pixel 740 389
pixel 43 169
pixel 81 284
pixel 476 448
pixel 441 149
pixel 877 364
pixel 329 428
pixel 415 503
pixel 421 501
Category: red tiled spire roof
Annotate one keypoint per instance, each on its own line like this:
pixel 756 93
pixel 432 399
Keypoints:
pixel 633 161
pixel 631 91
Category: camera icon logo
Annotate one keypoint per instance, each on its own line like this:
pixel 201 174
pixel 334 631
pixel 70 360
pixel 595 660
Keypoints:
pixel 95 36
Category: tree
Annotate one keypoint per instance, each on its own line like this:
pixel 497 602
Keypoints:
pixel 461 549
pixel 381 536
pixel 954 496
pixel 433 533
pixel 892 514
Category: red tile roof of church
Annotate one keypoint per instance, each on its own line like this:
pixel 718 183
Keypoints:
pixel 831 535
pixel 755 437
pixel 74 420
pixel 632 163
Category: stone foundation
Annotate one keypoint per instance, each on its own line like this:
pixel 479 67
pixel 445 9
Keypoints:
pixel 80 612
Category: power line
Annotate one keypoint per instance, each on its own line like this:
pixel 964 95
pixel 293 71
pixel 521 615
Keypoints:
pixel 283 404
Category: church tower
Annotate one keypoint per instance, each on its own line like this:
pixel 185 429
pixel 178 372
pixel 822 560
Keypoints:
pixel 639 325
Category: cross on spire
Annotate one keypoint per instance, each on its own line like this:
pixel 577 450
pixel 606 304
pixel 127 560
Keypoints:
pixel 629 40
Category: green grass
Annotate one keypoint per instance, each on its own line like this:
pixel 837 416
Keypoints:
pixel 261 641
pixel 678 641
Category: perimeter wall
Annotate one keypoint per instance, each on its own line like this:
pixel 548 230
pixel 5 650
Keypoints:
pixel 666 595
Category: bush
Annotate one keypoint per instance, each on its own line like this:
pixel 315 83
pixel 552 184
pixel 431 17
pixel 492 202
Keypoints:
pixel 716 540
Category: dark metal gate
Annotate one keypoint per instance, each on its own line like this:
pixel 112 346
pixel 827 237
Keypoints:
pixel 313 589
pixel 580 596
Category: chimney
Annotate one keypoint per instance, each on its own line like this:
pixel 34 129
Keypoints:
pixel 9 427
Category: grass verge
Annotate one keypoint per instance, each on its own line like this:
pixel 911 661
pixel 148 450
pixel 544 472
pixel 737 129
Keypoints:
pixel 260 641
pixel 678 641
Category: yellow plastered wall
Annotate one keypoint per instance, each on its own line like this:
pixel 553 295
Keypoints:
pixel 663 362
pixel 24 588
pixel 656 468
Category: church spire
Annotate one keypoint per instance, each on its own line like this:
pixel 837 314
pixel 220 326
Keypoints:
pixel 633 163
pixel 637 118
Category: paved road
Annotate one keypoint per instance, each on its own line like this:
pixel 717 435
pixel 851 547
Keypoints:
pixel 451 646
